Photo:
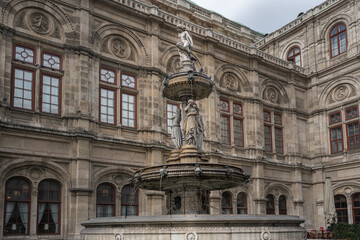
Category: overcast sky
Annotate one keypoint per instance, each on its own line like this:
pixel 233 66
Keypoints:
pixel 264 16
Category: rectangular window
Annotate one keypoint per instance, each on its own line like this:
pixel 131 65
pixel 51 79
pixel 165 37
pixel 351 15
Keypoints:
pixel 335 118
pixel 128 80
pixel 24 54
pixel 51 61
pixel 23 88
pixel 170 113
pixel 278 140
pixel 238 132
pixel 225 129
pixel 336 139
pixel 351 113
pixel 342 37
pixel 50 94
pixel 128 110
pixel 334 46
pixel 107 105
pixel 107 75
pixel 267 138
pixel 353 135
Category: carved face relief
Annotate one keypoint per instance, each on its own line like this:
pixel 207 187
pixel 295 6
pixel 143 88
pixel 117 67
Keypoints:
pixel 272 95
pixel 341 93
pixel 40 23
pixel 118 236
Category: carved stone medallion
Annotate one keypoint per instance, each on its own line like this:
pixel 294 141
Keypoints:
pixel 231 82
pixel 265 235
pixel 341 93
pixel 35 173
pixel 120 48
pixel 272 95
pixel 191 236
pixel 118 236
pixel 40 23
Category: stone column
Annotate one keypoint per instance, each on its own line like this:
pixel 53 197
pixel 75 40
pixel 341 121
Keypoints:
pixel 298 192
pixel 259 189
pixel 155 204
pixel 215 202
pixel 80 191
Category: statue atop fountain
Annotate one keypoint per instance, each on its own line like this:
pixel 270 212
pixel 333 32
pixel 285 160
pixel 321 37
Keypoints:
pixel 185 46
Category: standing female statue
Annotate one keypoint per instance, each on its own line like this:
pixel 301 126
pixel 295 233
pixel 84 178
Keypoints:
pixel 193 126
pixel 176 134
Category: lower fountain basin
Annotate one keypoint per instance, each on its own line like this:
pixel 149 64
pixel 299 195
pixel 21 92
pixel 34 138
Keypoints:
pixel 194 227
pixel 205 176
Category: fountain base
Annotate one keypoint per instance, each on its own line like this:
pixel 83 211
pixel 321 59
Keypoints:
pixel 194 227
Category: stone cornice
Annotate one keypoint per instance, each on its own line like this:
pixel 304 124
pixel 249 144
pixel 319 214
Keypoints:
pixel 207 33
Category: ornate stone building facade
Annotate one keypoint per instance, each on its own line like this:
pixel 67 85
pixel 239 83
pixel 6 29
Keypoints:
pixel 81 110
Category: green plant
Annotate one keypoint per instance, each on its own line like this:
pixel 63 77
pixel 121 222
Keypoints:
pixel 347 231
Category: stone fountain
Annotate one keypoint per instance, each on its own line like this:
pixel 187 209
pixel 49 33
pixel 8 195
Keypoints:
pixel 188 178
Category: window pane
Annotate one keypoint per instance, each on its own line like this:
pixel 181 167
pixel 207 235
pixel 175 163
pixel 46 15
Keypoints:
pixel 270 204
pixel 127 81
pixel 50 101
pixel 278 140
pixel 51 61
pixel 128 110
pixel 224 129
pixel 23 89
pixel 352 113
pixel 342 37
pixel 224 106
pixel 107 75
pixel 107 109
pixel 267 138
pixel 267 116
pixel 237 108
pixel 277 119
pixel 24 54
pixel 238 132
pixel 171 112
pixel 334 46
pixel 129 200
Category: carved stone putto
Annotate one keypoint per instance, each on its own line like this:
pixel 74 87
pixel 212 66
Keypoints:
pixel 40 23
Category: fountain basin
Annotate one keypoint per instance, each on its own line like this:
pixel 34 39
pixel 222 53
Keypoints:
pixel 205 176
pixel 194 227
pixel 179 87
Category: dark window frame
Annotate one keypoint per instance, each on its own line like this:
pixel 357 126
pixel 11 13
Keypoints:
pixel 223 207
pixel 340 210
pixel 59 96
pixel 106 203
pixel 32 90
pixel 331 141
pixel 28 201
pixel 48 201
pixel 53 54
pixel 353 137
pixel 246 203
pixel 115 103
pixel 338 38
pixel 292 58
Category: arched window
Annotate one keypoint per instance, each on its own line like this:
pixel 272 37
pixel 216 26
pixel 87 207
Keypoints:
pixel 17 206
pixel 341 208
pixel 105 200
pixel 338 39
pixel 226 203
pixel 49 200
pixel 356 208
pixel 294 56
pixel 282 205
pixel 270 204
pixel 129 201
pixel 241 203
